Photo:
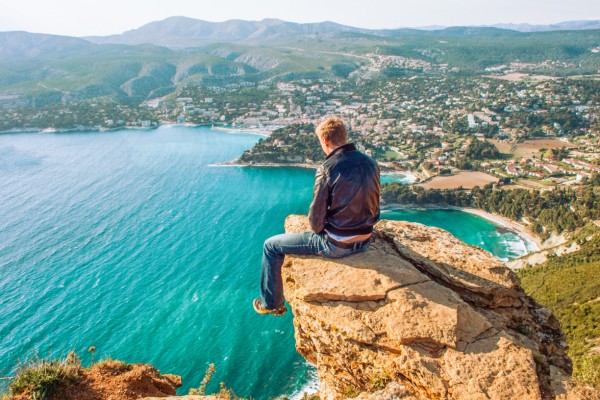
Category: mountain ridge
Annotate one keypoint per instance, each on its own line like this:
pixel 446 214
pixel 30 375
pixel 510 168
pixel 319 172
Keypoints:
pixel 39 69
pixel 179 31
pixel 186 32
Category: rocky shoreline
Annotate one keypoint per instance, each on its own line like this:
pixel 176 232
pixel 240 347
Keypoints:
pixel 236 163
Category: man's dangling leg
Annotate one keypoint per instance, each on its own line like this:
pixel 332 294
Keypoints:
pixel 274 250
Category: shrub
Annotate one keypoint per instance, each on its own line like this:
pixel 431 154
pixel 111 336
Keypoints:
pixel 224 393
pixel 587 370
pixel 201 391
pixel 112 367
pixel 45 378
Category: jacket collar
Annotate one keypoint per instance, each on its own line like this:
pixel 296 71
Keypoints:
pixel 342 149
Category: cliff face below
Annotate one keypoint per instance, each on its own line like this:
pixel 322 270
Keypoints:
pixel 422 315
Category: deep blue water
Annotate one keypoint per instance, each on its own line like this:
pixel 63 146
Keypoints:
pixel 134 242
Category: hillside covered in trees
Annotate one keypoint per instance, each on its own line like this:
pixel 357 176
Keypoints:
pixel 296 143
pixel 570 288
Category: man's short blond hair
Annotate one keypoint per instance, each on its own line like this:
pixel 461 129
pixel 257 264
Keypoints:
pixel 333 130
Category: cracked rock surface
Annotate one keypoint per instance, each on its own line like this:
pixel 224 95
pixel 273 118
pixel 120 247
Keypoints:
pixel 422 311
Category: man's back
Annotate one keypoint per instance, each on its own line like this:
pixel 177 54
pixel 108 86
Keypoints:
pixel 346 194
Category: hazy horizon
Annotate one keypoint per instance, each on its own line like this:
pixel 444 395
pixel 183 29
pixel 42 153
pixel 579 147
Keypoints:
pixel 95 18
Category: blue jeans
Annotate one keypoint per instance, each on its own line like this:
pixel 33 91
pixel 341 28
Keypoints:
pixel 304 243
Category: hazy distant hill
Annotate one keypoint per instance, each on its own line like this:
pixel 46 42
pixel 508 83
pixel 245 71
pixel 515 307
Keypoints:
pixel 187 32
pixel 561 26
pixel 19 45
pixel 190 32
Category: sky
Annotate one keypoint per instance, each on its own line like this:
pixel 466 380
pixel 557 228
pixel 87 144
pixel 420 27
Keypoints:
pixel 105 17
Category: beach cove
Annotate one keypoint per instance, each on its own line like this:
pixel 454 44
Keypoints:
pixel 132 242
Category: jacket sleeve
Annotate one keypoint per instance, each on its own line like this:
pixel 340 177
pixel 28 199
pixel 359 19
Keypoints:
pixel 318 207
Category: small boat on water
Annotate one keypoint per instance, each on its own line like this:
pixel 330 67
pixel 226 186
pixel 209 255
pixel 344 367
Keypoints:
pixel 49 130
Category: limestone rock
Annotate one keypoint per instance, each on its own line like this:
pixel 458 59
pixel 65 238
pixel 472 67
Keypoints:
pixel 422 315
pixel 189 397
pixel 393 390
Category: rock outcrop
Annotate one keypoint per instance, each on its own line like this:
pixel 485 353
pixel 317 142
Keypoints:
pixel 106 380
pixel 425 316
pixel 133 381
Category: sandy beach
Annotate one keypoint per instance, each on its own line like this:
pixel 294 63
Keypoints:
pixel 465 179
pixel 249 131
pixel 516 227
pixel 519 229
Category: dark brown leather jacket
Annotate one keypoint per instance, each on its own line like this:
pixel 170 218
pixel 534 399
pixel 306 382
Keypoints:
pixel 346 193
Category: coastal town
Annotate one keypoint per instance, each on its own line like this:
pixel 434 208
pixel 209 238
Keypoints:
pixel 528 131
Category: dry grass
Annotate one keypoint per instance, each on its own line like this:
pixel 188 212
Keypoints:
pixel 66 379
pixel 528 148
pixel 533 146
pixel 112 367
pixel 465 179
pixel 502 145
pixel 44 379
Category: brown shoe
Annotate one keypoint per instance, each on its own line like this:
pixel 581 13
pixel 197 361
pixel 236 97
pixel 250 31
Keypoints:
pixel 260 308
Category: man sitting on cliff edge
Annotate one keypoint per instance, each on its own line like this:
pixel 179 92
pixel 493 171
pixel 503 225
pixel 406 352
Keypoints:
pixel 344 208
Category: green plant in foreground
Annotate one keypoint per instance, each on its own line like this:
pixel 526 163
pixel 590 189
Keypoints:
pixel 587 370
pixel 350 392
pixel 45 378
pixel 201 391
pixel 306 396
pixel 377 382
pixel 224 393
pixel 109 366
pixel 569 287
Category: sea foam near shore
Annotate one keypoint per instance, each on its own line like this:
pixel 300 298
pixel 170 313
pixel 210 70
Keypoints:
pixel 532 242
pixel 311 386
pixel 469 226
pixel 406 178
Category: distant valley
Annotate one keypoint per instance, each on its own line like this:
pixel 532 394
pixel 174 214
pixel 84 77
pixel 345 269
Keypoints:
pixel 155 60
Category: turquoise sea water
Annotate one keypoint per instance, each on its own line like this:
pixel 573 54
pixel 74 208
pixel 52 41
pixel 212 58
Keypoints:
pixel 134 242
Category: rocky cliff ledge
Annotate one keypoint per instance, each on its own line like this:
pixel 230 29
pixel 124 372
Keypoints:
pixel 422 315
pixel 418 316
